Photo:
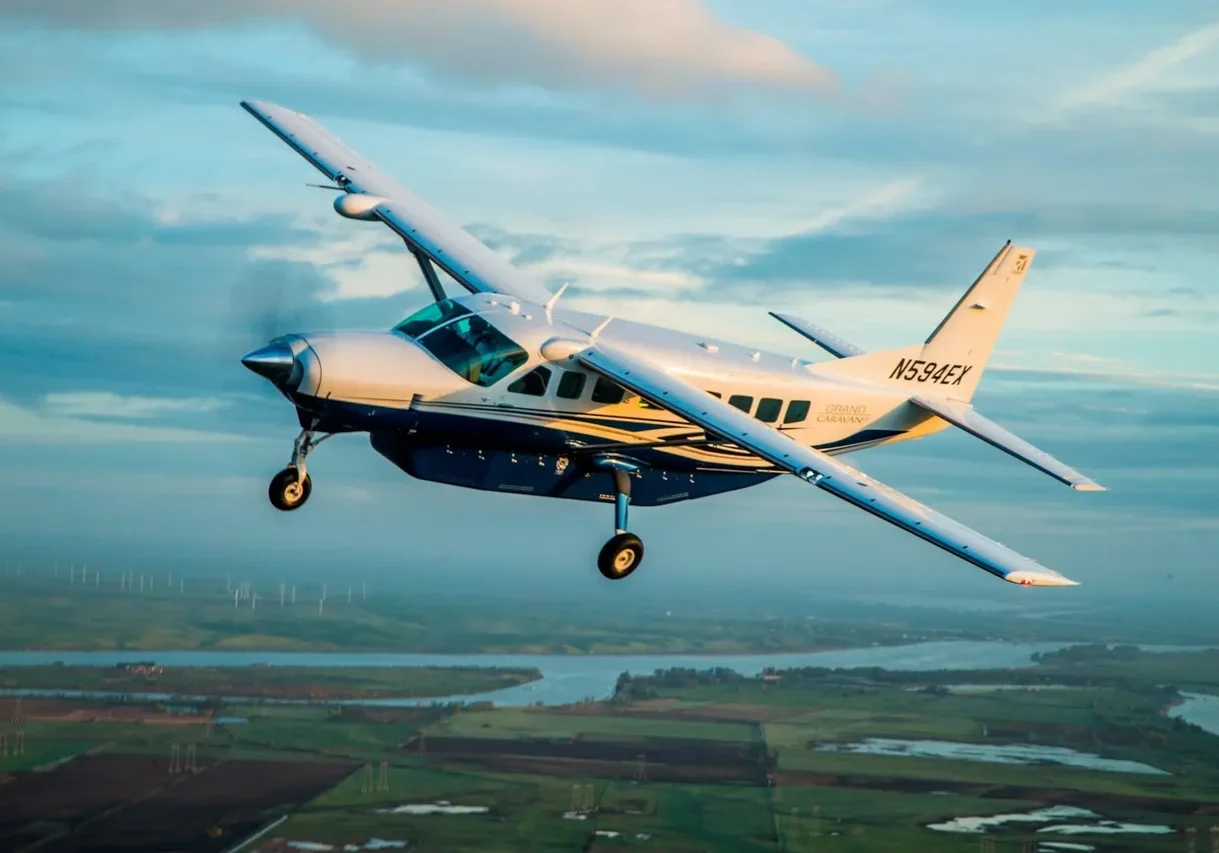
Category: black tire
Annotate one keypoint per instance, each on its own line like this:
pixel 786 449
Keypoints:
pixel 284 493
pixel 620 556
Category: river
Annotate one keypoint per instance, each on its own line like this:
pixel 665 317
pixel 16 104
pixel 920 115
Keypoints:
pixel 567 678
pixel 1201 709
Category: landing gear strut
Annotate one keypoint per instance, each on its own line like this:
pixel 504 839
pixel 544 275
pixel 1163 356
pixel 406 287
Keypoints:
pixel 291 487
pixel 623 553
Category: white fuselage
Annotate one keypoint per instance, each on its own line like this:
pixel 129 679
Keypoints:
pixel 376 373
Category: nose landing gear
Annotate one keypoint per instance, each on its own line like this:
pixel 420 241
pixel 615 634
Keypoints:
pixel 623 553
pixel 289 490
pixel 291 487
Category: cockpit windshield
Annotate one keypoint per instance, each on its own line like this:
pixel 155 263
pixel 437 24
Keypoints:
pixel 426 319
pixel 474 349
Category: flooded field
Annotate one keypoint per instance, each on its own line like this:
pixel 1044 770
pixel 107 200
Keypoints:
pixel 322 847
pixel 441 807
pixel 990 753
pixel 1059 820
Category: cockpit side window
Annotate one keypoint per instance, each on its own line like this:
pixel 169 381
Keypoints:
pixel 425 319
pixel 532 383
pixel 474 350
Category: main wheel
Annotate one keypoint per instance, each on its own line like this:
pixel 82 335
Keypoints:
pixel 287 491
pixel 620 556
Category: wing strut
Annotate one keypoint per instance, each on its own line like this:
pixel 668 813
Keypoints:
pixel 429 274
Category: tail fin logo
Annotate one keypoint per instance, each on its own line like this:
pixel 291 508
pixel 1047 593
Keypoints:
pixel 919 370
pixel 1022 263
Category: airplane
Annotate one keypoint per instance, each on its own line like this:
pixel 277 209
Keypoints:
pixel 501 389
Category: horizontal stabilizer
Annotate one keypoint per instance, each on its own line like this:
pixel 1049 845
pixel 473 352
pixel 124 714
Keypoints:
pixel 828 341
pixel 967 418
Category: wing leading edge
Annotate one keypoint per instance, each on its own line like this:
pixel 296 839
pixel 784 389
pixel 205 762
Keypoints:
pixel 823 471
pixel 459 253
pixel 823 338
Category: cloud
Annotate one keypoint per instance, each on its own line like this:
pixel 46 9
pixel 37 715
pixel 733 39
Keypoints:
pixel 655 47
pixel 594 275
pixel 883 202
pixel 1203 384
pixel 920 248
pixel 106 296
pixel 22 425
pixel 107 404
pixel 1152 72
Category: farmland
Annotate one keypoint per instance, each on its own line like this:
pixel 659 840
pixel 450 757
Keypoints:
pixel 679 760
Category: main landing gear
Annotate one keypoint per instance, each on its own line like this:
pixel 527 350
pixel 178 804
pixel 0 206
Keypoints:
pixel 291 487
pixel 623 553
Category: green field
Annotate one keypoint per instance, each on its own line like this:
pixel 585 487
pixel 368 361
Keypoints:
pixel 523 722
pixel 199 613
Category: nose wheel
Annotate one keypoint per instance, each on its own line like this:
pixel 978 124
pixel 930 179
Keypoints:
pixel 289 490
pixel 623 553
pixel 291 487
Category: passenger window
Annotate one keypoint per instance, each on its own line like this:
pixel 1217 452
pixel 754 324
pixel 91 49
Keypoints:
pixel 797 411
pixel 768 410
pixel 606 391
pixel 742 402
pixel 571 385
pixel 532 383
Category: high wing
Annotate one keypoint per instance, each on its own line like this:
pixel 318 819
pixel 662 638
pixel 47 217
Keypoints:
pixel 715 416
pixel 967 418
pixel 823 338
pixel 425 230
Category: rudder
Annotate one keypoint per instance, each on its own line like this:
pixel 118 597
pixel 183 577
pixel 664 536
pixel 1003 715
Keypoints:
pixel 951 361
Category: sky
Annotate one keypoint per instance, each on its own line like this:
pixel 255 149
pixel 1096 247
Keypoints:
pixel 678 161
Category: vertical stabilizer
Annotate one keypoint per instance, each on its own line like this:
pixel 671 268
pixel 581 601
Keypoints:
pixel 967 335
pixel 951 361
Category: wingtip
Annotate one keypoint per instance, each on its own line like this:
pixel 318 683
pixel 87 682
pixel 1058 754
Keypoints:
pixel 1089 487
pixel 1042 578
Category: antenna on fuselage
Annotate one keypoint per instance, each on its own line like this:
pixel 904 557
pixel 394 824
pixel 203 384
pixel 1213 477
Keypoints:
pixel 553 301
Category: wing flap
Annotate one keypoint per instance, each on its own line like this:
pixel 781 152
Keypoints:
pixel 823 338
pixel 469 261
pixel 966 417
pixel 823 471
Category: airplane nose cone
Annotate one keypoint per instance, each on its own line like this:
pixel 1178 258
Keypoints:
pixel 274 361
